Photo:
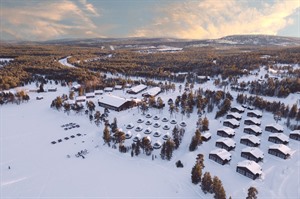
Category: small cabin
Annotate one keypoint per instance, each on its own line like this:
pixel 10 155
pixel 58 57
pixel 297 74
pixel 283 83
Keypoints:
pixel 226 143
pixel 250 140
pixel 278 138
pixel 280 150
pixel 234 115
pixel 52 89
pixel 249 169
pixel 40 97
pixel 252 153
pixel 274 128
pixel 253 130
pixel 232 123
pixel 99 92
pixel 80 99
pixel 252 121
pixel 254 113
pixel 137 89
pixel 90 95
pixel 108 89
pixel 206 136
pixel 118 87
pixel 238 109
pixel 295 135
pixel 226 132
pixel 220 156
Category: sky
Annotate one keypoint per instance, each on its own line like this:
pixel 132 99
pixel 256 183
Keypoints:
pixel 39 20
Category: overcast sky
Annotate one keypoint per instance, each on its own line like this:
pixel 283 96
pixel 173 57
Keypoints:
pixel 189 19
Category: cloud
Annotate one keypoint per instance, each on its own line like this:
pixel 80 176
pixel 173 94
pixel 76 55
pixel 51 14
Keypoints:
pixel 89 7
pixel 214 19
pixel 48 20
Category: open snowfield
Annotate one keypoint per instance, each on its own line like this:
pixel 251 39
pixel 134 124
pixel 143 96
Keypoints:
pixel 40 169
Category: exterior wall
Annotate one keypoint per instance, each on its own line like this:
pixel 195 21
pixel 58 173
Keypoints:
pixel 232 117
pixel 223 134
pixel 250 122
pixel 235 110
pixel 246 173
pixel 248 143
pixel 251 132
pixel 276 140
pixel 249 156
pixel 228 124
pixel 277 153
pixel 295 137
pixel 253 115
pixel 223 146
pixel 217 159
pixel 272 129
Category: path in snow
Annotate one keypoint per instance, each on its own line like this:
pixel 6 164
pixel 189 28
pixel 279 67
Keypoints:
pixel 65 62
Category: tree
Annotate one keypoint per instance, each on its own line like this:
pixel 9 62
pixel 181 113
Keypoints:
pixel 196 141
pixel 252 193
pixel 119 136
pixel 205 124
pixel 67 108
pixel 106 135
pixel 218 189
pixel 144 107
pixel 298 116
pixel 163 151
pixel 169 149
pixel 206 183
pixel 91 106
pixel 293 111
pixel 137 149
pixel 97 117
pixel 114 125
pixel 176 137
pixel 171 109
pixel 196 173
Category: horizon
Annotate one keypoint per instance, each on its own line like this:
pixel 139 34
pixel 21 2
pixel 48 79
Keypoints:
pixel 192 20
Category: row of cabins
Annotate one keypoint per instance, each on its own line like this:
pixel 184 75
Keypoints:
pixel 250 167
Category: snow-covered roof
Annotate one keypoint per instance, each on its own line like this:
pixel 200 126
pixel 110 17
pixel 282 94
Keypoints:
pixel 252 138
pixel 251 166
pixel 222 153
pixel 108 89
pixel 235 114
pixel 281 147
pixel 80 98
pixel 255 128
pixel 138 88
pixel 112 100
pixel 240 108
pixel 76 86
pixel 280 136
pixel 278 127
pixel 232 121
pixel 206 135
pixel 99 91
pixel 254 120
pixel 118 86
pixel 256 112
pixel 229 142
pixel 90 94
pixel 70 101
pixel 254 151
pixel 295 132
pixel 153 91
pixel 228 130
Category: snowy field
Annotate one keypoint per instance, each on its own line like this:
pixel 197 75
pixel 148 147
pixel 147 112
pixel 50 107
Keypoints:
pixel 40 169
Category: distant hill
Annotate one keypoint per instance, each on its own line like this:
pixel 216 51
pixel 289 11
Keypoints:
pixel 232 40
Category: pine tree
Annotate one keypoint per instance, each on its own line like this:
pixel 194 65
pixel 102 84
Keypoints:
pixel 293 111
pixel 206 184
pixel 200 160
pixel 196 174
pixel 205 124
pixel 106 135
pixel 163 151
pixel 252 193
pixel 137 149
pixel 193 144
pixel 298 116
pixel 176 137
pixel 218 189
pixel 97 117
pixel 169 149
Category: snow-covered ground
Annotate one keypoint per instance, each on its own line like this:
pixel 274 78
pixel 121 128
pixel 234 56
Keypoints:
pixel 65 62
pixel 40 169
pixel 4 61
